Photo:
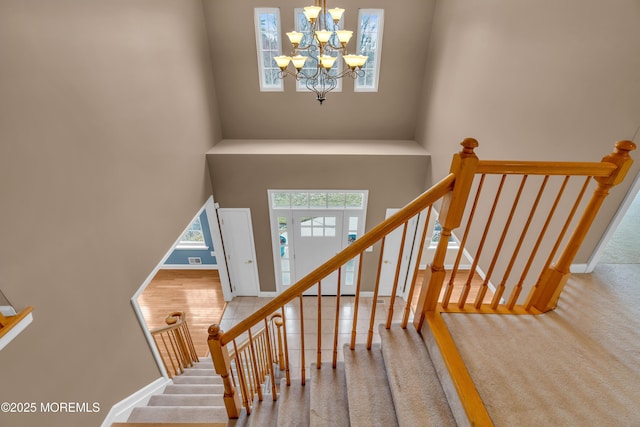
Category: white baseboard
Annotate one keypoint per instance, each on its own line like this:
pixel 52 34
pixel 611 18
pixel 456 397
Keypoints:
pixel 16 330
pixel 267 294
pixel 121 410
pixel 579 268
pixel 189 267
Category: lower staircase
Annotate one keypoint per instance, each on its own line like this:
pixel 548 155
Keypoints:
pixel 192 399
pixel 392 384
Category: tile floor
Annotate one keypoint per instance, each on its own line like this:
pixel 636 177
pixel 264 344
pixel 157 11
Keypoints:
pixel 241 307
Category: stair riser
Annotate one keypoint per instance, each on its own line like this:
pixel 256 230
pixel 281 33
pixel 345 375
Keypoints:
pixel 197 380
pixel 193 389
pixel 186 400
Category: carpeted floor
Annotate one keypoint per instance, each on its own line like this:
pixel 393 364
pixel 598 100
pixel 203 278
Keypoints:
pixel 575 366
pixel 624 246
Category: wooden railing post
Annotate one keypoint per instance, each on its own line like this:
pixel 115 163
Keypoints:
pixel 222 365
pixel 544 296
pixel 463 166
pixel 277 321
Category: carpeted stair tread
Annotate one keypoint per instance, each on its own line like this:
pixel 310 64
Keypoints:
pixel 293 404
pixel 370 400
pixel 203 364
pixel 186 400
pixel 194 389
pixel 329 404
pixel 189 372
pixel 181 414
pixel 265 413
pixel 415 387
pixel 163 424
pixel 197 380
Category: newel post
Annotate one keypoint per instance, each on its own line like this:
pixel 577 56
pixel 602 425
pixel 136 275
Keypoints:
pixel 463 166
pixel 222 365
pixel 545 294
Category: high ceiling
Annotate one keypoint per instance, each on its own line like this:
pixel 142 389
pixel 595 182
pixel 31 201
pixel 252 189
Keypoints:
pixel 247 113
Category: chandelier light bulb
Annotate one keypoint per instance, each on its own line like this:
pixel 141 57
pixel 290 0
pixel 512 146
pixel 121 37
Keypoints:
pixel 295 38
pixel 344 36
pixel 282 61
pixel 312 12
pixel 351 60
pixel 327 61
pixel 323 36
pixel 336 14
pixel 361 60
pixel 298 61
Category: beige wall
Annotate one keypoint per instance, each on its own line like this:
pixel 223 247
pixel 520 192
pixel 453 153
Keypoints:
pixel 242 181
pixel 538 80
pixel 106 111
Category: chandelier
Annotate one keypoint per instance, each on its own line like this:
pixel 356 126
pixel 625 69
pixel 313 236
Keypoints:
pixel 324 44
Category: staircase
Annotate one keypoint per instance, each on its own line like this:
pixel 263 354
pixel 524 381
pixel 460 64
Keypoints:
pixel 377 387
pixel 395 381
pixel 393 384
pixel 192 399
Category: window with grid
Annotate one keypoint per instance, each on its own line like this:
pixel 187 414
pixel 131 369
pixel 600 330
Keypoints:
pixel 193 238
pixel 268 46
pixel 370 26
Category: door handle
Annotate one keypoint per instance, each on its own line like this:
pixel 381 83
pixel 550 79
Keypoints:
pixel 250 261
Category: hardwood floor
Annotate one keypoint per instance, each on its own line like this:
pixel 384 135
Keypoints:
pixel 196 292
pixel 199 294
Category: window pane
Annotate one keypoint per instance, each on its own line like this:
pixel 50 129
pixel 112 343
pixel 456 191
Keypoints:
pixel 267 23
pixel 299 200
pixel 280 200
pixel 353 223
pixel 354 200
pixel 335 200
pixel 318 200
pixel 370 44
pixel 194 232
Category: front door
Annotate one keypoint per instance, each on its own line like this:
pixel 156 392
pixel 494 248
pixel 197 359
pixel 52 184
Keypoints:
pixel 318 237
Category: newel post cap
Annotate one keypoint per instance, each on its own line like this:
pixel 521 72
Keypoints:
pixel 469 144
pixel 623 147
pixel 214 332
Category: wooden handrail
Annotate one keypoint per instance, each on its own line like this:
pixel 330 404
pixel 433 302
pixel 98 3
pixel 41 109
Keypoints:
pixel 510 167
pixel 353 250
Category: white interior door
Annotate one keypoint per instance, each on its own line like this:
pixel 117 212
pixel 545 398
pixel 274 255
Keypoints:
pixel 390 257
pixel 318 236
pixel 239 248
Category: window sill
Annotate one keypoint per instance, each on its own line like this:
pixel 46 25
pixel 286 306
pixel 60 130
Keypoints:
pixel 192 248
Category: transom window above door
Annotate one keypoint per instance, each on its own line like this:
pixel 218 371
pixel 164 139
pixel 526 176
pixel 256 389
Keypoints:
pixel 318 199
